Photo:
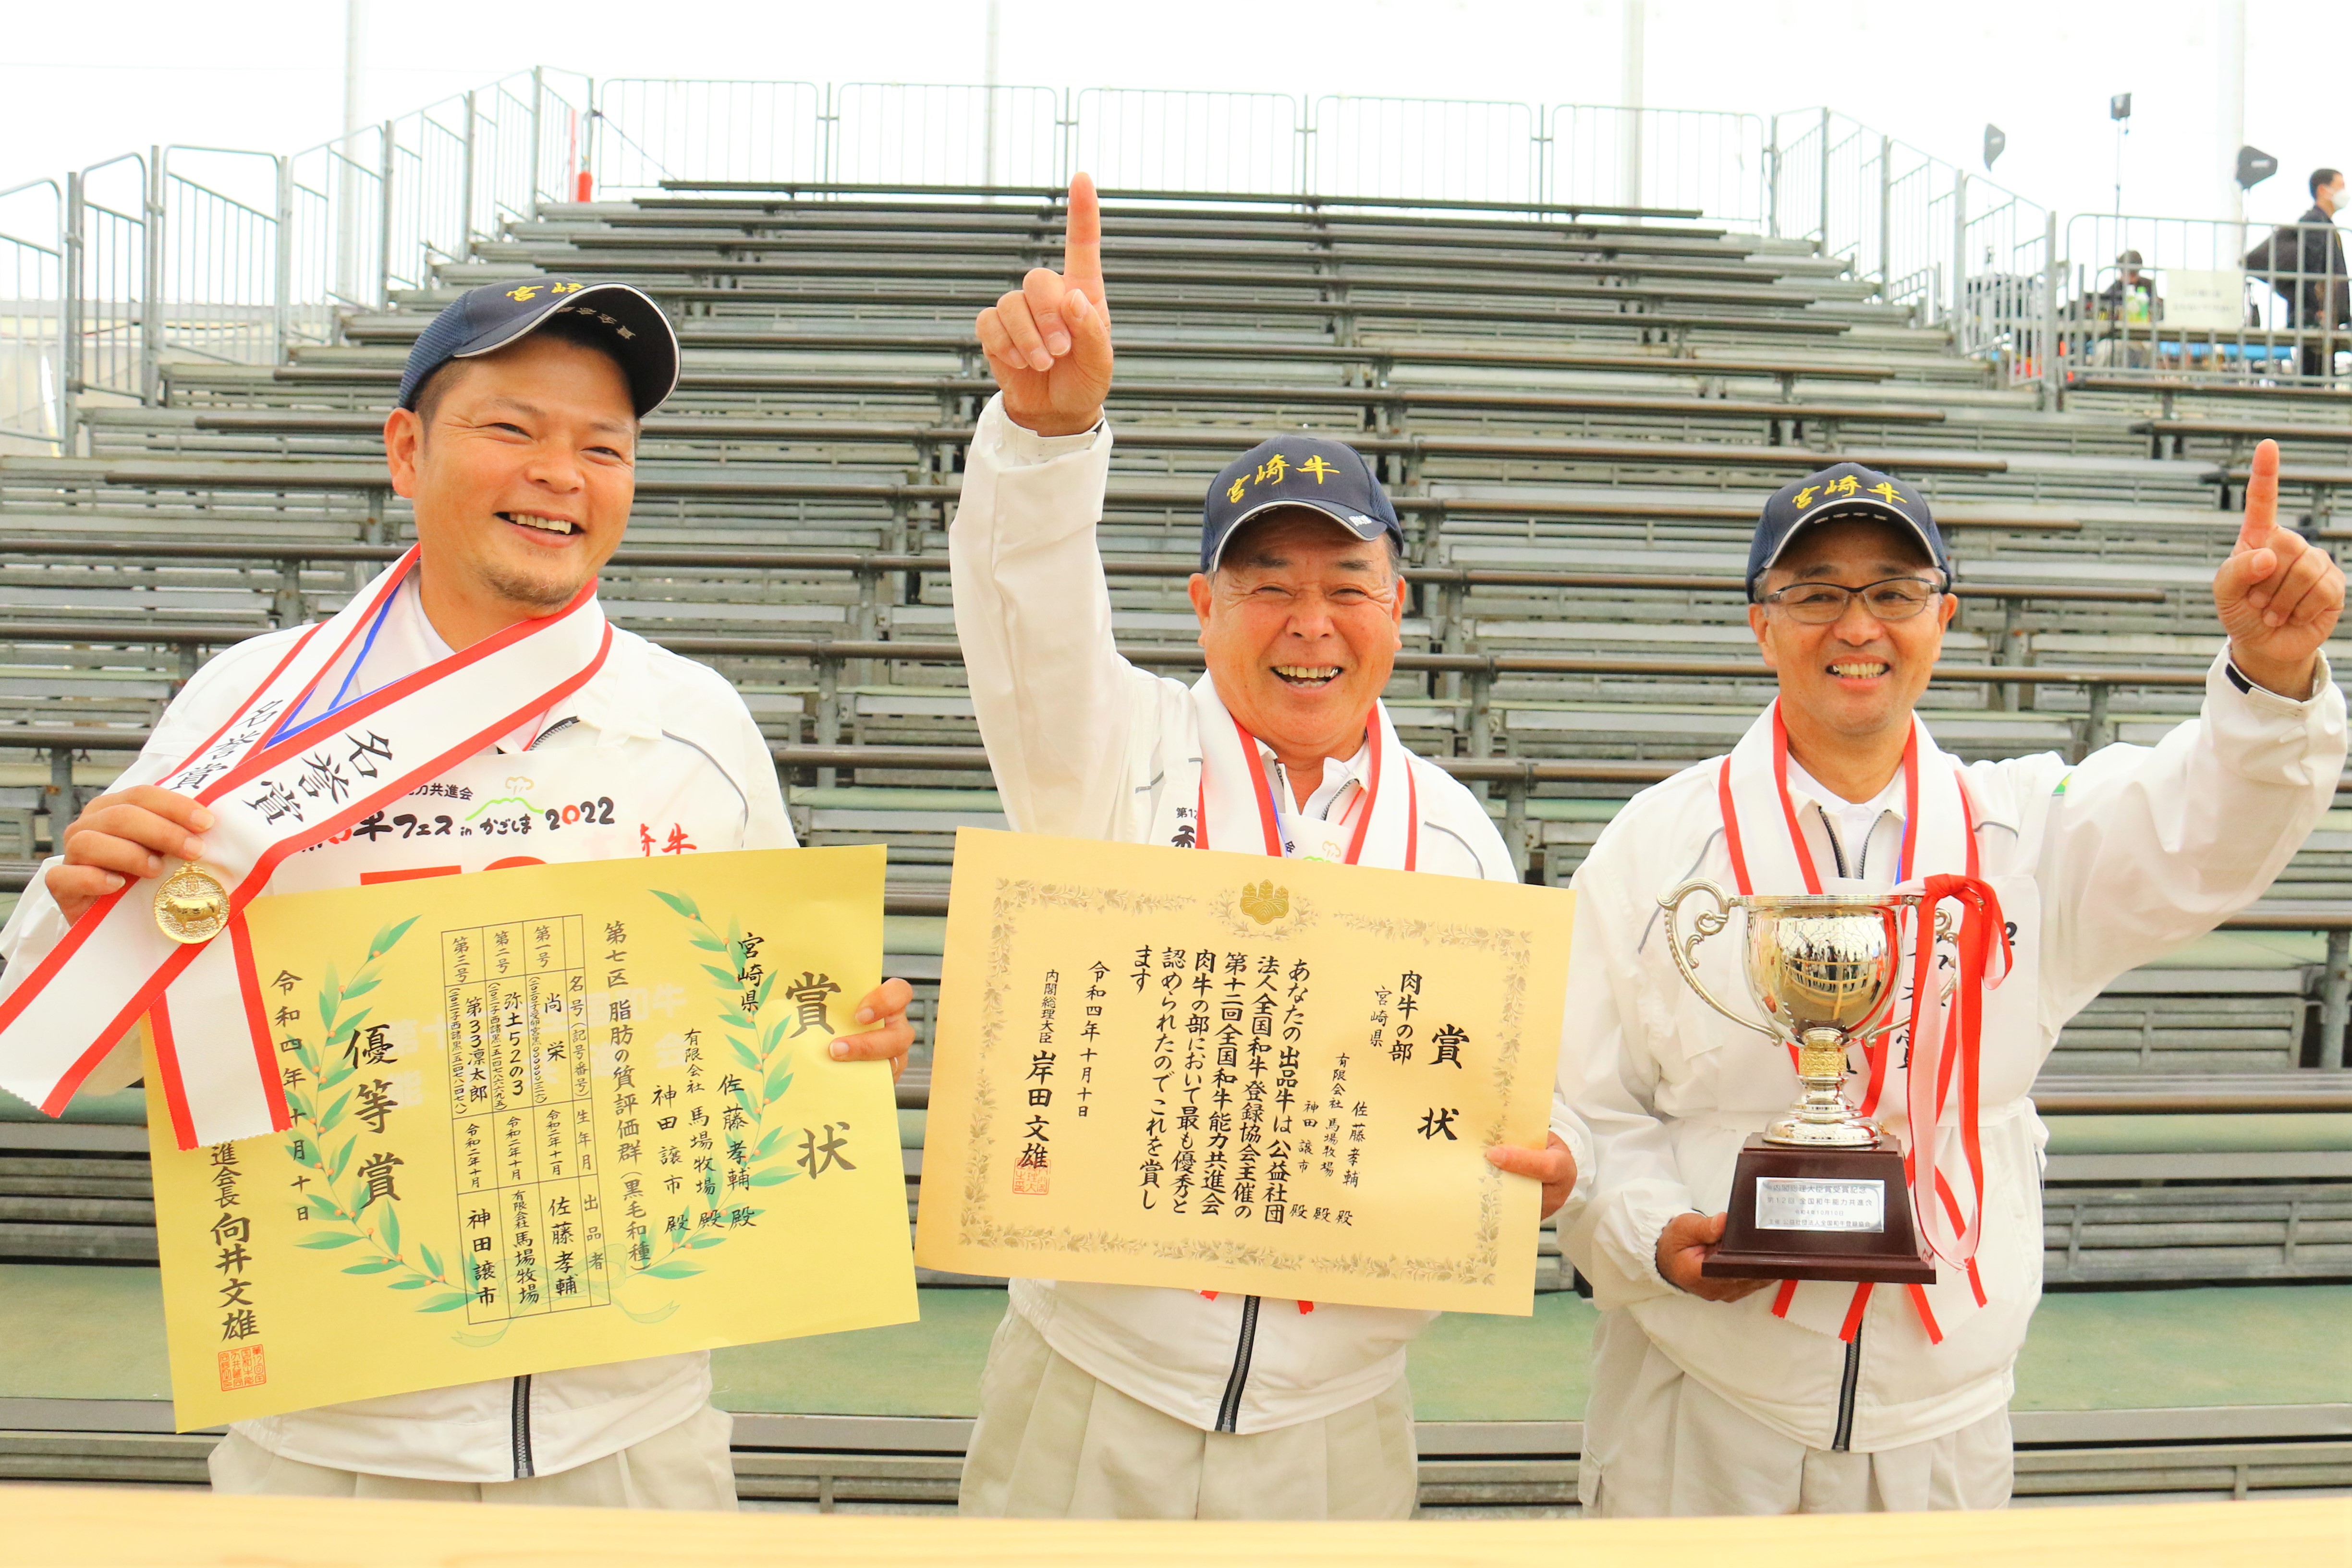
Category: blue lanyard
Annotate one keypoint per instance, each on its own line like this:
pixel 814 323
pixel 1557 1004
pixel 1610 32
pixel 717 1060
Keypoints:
pixel 342 691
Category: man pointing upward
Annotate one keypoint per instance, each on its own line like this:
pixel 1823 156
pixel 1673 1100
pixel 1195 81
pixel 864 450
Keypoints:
pixel 1117 1400
pixel 1726 1395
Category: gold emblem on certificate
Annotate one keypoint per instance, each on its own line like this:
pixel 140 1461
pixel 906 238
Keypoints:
pixel 1163 1067
pixel 191 905
pixel 1264 902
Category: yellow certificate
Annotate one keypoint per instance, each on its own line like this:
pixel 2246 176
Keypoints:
pixel 543 1117
pixel 1222 1072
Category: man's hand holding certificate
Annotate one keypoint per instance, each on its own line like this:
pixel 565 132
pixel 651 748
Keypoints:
pixel 400 1108
pixel 582 1112
pixel 1222 1072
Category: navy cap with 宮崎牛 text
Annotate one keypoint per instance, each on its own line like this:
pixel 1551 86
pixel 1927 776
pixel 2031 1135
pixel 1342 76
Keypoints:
pixel 1322 475
pixel 1828 495
pixel 619 318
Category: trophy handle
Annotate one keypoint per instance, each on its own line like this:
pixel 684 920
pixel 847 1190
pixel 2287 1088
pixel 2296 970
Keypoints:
pixel 1703 926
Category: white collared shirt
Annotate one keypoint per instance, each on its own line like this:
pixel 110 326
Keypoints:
pixel 1319 827
pixel 1854 824
pixel 656 755
pixel 2130 852
pixel 1084 745
pixel 404 640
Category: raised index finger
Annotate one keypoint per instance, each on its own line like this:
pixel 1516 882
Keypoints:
pixel 2262 499
pixel 1082 243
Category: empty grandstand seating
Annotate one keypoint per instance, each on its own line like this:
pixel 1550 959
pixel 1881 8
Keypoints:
pixel 1578 421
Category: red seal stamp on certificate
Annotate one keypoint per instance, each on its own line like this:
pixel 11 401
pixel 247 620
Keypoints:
pixel 1031 1178
pixel 242 1366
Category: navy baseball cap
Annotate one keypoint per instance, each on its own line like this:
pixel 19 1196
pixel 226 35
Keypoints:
pixel 1844 490
pixel 486 319
pixel 1326 477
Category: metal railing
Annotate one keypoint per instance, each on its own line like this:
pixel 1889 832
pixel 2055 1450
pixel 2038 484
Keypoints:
pixel 237 256
pixel 1718 165
pixel 1152 140
pixel 1961 251
pixel 32 315
pixel 839 664
pixel 657 135
pixel 227 255
pixel 2138 298
pixel 111 339
pixel 1427 148
pixel 877 574
pixel 1455 673
pixel 219 285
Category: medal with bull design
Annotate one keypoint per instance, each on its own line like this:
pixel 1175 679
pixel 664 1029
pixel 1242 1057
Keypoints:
pixel 192 905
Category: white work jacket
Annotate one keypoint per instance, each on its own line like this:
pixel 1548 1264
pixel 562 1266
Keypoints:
pixel 656 755
pixel 1084 745
pixel 2109 863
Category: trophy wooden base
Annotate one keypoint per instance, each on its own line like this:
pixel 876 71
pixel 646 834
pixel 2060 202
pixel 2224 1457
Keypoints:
pixel 1820 1214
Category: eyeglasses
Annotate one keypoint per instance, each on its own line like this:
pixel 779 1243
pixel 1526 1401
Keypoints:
pixel 1825 603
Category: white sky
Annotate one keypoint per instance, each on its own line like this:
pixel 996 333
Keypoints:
pixel 78 85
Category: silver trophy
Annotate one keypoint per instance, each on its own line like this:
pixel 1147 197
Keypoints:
pixel 1821 1194
pixel 1823 969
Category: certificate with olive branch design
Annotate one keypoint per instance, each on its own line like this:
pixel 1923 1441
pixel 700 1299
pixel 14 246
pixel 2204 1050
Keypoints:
pixel 1156 1066
pixel 543 1117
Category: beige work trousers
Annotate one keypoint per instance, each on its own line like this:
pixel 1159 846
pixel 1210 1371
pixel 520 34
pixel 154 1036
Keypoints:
pixel 1055 1442
pixel 689 1465
pixel 1659 1443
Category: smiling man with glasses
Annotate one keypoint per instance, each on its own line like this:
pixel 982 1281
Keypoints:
pixel 1849 587
pixel 1731 1396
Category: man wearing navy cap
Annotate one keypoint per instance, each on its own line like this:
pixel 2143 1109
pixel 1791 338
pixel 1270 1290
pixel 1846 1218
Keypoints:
pixel 515 438
pixel 1116 1401
pixel 1726 1395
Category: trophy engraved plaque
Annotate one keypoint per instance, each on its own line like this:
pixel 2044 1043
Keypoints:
pixel 1821 1193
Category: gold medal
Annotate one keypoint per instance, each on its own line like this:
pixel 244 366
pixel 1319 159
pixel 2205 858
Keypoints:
pixel 191 905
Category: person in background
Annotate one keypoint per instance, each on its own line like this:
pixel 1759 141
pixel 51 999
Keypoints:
pixel 2132 296
pixel 2309 273
pixel 2129 306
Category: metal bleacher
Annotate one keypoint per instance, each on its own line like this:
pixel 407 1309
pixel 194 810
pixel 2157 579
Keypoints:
pixel 1578 420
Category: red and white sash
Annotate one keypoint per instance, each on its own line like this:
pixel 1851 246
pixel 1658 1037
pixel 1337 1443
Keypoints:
pixel 1234 800
pixel 1937 1054
pixel 271 794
